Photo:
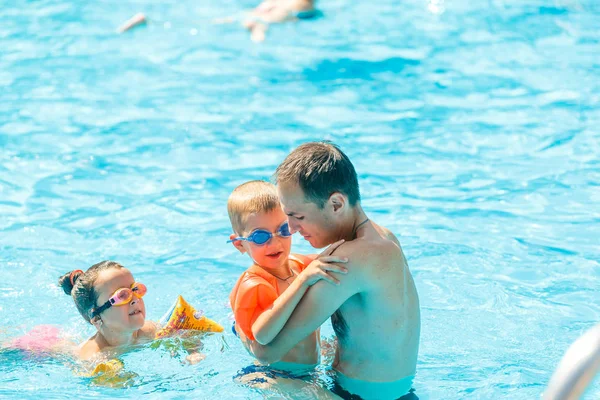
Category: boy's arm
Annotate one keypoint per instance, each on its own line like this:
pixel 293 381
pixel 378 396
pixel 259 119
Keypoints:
pixel 318 304
pixel 268 325
pixel 270 322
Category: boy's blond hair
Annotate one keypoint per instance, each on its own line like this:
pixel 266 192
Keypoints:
pixel 250 198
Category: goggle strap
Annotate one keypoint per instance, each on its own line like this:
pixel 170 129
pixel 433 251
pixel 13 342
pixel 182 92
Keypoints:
pixel 251 238
pixel 101 309
pixel 236 239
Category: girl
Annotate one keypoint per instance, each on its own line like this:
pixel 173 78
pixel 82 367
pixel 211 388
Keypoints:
pixel 108 297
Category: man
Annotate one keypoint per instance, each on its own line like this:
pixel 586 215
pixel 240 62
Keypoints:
pixel 375 308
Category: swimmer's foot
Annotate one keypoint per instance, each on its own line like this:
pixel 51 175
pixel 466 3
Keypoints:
pixel 225 20
pixel 136 20
pixel 257 30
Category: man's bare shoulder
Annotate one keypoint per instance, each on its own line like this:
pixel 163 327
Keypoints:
pixel 380 238
pixel 386 234
pixel 371 250
pixel 370 262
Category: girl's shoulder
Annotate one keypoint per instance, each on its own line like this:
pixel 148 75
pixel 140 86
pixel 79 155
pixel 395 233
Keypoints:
pixel 88 349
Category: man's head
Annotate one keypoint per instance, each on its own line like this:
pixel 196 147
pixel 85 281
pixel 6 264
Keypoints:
pixel 318 187
pixel 256 215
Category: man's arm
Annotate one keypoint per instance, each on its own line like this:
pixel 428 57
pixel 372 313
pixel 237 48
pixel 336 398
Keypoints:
pixel 319 303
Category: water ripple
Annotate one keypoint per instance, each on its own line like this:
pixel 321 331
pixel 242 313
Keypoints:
pixel 472 126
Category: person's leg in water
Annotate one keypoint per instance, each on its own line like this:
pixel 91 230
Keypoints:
pixel 274 383
pixel 257 30
pixel 273 11
pixel 136 20
pixel 353 389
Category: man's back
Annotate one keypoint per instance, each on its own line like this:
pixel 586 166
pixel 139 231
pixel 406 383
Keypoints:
pixel 378 328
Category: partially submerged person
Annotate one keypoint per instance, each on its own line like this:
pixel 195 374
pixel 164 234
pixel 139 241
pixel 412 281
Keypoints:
pixel 266 294
pixel 276 11
pixel 107 296
pixel 268 12
pixel 257 20
pixel 375 308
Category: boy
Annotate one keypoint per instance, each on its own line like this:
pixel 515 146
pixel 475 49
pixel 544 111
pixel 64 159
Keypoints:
pixel 266 294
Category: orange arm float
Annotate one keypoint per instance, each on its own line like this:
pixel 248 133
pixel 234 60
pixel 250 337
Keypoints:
pixel 250 297
pixel 183 316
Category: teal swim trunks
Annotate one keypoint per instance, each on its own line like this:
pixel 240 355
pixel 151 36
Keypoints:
pixel 310 14
pixel 261 373
pixel 354 389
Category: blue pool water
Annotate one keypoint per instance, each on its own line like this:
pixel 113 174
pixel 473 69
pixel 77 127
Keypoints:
pixel 473 126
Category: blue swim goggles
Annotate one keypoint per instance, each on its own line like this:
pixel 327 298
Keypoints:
pixel 262 236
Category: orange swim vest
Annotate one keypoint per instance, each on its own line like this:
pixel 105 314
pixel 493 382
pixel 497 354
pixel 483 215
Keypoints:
pixel 254 293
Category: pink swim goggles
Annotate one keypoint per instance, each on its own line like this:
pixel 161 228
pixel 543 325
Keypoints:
pixel 121 297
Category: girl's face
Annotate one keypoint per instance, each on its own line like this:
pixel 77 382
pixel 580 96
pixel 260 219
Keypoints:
pixel 128 317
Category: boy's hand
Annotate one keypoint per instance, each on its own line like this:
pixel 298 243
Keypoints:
pixel 319 268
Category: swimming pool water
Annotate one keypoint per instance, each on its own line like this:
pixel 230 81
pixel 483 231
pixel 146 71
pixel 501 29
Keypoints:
pixel 473 127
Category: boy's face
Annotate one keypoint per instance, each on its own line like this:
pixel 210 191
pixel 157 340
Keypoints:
pixel 276 251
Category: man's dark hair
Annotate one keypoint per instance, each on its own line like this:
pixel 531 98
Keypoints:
pixel 320 169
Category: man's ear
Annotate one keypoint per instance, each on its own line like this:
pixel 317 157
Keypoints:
pixel 338 202
pixel 237 243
